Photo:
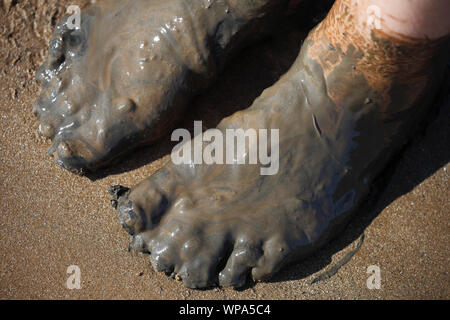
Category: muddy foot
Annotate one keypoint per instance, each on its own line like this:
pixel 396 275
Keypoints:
pixel 124 78
pixel 339 118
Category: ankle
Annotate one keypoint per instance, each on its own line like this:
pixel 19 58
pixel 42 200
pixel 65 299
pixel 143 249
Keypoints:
pixel 382 59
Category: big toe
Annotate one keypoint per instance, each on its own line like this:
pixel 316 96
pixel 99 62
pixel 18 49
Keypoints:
pixel 137 214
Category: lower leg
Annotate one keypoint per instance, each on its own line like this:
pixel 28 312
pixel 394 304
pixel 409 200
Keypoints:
pixel 390 50
pixel 416 19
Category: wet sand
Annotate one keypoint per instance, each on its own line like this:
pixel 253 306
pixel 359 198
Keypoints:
pixel 51 219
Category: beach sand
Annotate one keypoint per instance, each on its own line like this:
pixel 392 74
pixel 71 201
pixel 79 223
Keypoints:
pixel 51 219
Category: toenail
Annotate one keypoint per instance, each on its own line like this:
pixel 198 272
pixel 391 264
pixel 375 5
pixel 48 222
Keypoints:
pixel 47 130
pixel 84 114
pixel 183 204
pixel 137 243
pixel 190 249
pixel 69 108
pixel 64 150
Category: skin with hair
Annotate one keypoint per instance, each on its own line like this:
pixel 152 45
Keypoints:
pixel 350 101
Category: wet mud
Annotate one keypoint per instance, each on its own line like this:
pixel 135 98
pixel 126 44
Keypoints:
pixel 340 124
pixel 45 229
pixel 126 76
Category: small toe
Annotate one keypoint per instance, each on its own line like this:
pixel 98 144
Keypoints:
pixel 200 272
pixel 275 255
pixel 236 272
pixel 162 256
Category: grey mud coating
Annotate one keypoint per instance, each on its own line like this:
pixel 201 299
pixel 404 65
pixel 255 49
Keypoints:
pixel 341 120
pixel 126 76
pixel 342 111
